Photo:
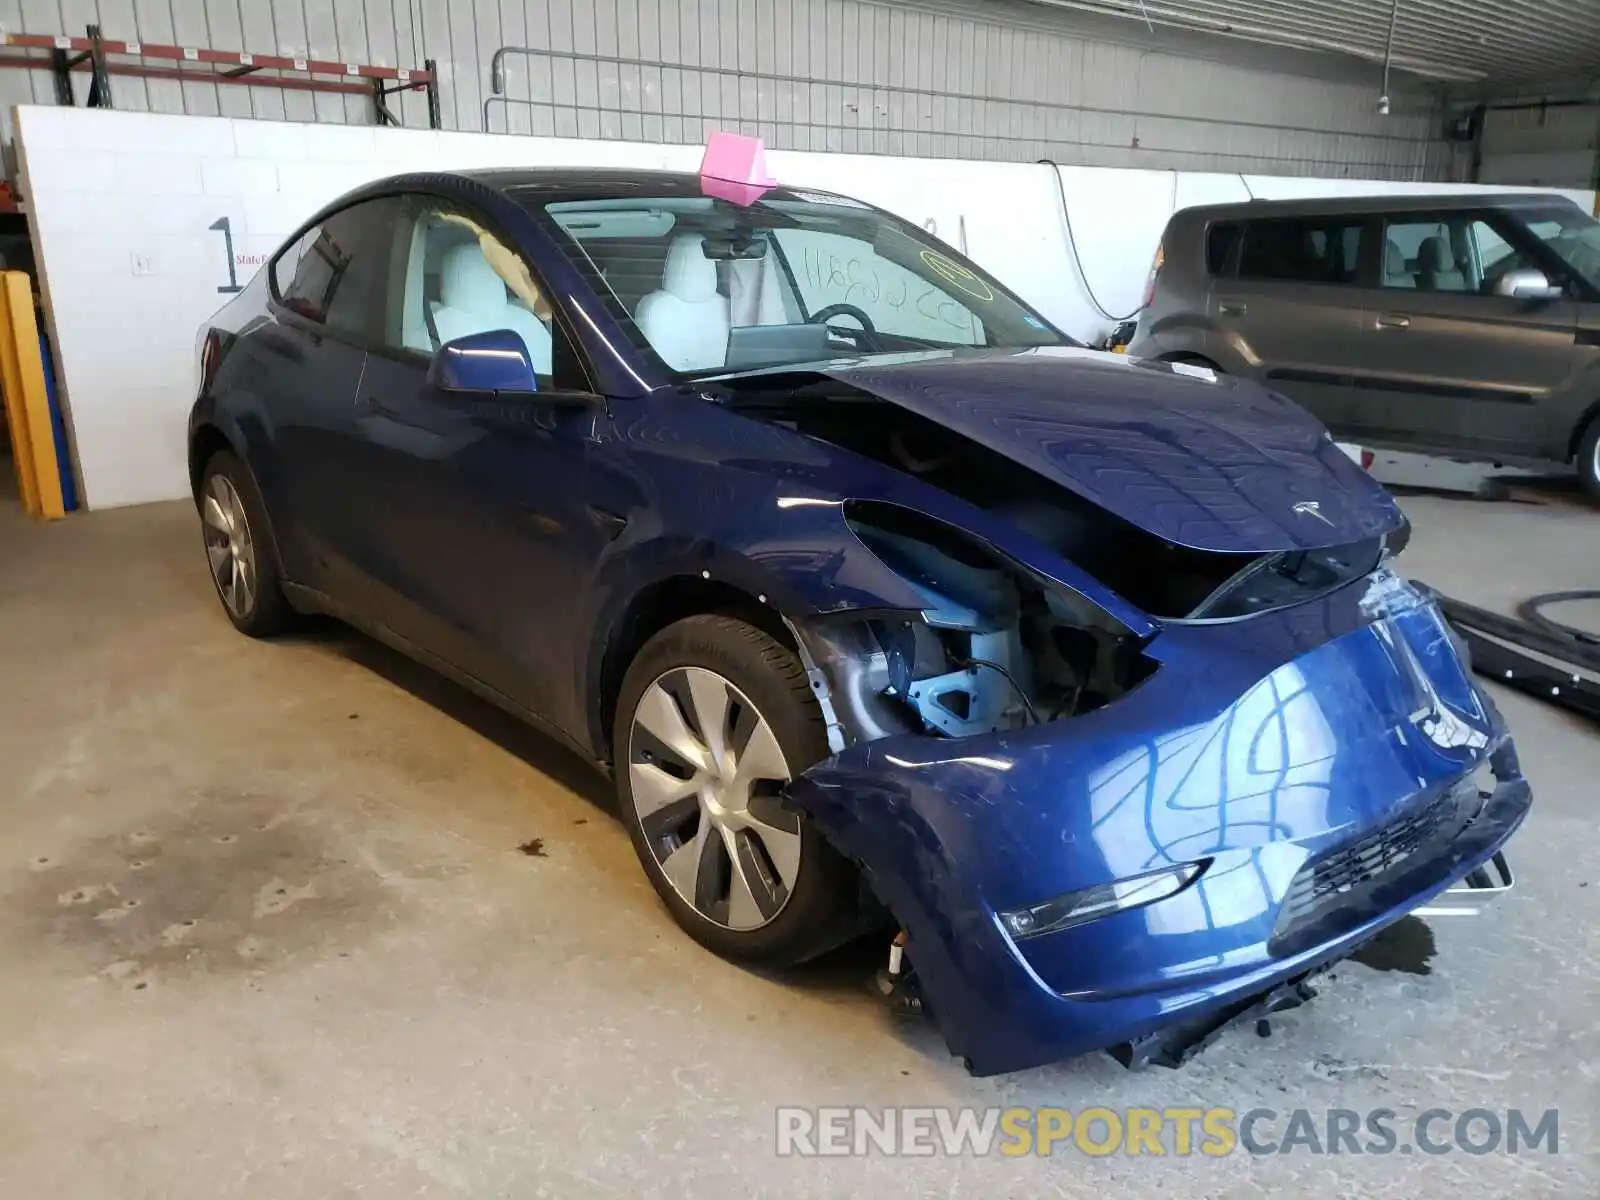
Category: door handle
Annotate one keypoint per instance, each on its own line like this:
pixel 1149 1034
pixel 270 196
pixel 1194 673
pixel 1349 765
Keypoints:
pixel 1233 308
pixel 1392 321
pixel 377 406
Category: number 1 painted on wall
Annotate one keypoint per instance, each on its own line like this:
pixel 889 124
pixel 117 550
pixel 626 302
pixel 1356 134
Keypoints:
pixel 223 224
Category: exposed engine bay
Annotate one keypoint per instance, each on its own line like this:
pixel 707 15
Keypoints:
pixel 997 647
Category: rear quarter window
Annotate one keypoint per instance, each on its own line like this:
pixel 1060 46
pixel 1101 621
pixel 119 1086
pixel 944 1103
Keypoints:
pixel 334 274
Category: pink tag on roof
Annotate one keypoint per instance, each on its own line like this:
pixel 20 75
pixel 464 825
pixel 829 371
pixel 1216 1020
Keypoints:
pixel 735 169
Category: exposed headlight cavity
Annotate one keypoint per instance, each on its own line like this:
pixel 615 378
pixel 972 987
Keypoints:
pixel 993 647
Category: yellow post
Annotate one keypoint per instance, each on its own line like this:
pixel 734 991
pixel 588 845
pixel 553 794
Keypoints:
pixel 27 401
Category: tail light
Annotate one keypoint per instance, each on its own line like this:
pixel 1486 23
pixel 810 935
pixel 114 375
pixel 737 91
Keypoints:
pixel 1155 271
pixel 210 357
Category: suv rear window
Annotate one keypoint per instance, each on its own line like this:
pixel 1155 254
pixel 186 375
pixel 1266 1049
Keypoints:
pixel 1310 250
pixel 1221 242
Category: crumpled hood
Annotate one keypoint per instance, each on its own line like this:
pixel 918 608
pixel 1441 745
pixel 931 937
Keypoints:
pixel 1213 463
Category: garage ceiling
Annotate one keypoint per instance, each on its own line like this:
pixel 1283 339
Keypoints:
pixel 1492 43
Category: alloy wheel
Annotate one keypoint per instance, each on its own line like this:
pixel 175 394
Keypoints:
pixel 705 770
pixel 229 546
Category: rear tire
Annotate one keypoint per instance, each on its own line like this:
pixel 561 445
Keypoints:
pixel 1588 460
pixel 240 549
pixel 714 716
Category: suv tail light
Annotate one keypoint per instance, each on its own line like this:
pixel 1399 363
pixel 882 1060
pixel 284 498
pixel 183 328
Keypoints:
pixel 1155 270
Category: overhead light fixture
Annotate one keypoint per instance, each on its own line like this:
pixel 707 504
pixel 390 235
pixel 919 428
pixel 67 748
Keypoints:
pixel 1388 56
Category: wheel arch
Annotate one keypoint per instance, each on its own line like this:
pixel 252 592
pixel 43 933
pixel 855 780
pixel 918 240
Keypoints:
pixel 1581 427
pixel 652 609
pixel 205 442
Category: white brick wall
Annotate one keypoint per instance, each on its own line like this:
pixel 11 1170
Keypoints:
pixel 123 204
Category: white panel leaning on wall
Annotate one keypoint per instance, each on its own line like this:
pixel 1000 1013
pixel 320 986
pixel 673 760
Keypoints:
pixel 144 224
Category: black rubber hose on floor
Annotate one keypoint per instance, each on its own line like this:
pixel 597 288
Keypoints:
pixel 1497 647
pixel 1531 611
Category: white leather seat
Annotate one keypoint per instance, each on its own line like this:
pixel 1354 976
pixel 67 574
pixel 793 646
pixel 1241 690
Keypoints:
pixel 686 320
pixel 473 299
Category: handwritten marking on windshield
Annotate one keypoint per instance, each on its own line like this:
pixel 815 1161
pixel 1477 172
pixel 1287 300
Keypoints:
pixel 958 276
pixel 859 281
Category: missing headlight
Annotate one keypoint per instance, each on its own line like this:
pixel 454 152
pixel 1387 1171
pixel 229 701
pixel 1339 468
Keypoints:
pixel 993 648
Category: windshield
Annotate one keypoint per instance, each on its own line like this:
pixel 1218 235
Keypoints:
pixel 712 287
pixel 1569 232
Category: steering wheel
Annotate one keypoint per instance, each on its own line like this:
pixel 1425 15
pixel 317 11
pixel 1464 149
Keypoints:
pixel 868 332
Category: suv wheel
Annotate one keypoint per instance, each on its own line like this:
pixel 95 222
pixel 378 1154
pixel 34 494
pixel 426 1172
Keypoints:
pixel 1588 459
pixel 714 718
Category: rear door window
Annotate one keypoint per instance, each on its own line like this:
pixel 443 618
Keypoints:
pixel 335 274
pixel 1303 250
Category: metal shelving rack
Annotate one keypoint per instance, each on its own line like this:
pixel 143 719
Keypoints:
pixel 99 56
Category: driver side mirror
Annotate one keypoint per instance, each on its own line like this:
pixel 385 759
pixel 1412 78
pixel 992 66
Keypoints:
pixel 1527 283
pixel 493 361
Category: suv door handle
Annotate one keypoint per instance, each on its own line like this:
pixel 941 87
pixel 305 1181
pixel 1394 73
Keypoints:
pixel 1391 321
pixel 1232 308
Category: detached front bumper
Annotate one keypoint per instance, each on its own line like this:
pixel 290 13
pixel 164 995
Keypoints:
pixel 1335 792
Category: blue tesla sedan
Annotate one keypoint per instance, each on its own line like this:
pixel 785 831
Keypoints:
pixel 891 610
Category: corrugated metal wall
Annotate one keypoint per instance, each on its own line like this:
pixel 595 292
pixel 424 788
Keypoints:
pixel 962 78
pixel 1555 147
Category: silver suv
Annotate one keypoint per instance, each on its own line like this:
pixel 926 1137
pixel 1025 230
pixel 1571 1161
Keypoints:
pixel 1465 325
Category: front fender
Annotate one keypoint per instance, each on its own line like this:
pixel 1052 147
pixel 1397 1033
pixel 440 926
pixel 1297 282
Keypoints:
pixel 776 498
pixel 818 566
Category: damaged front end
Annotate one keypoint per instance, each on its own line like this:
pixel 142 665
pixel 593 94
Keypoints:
pixel 998 646
pixel 1096 836
pixel 1132 723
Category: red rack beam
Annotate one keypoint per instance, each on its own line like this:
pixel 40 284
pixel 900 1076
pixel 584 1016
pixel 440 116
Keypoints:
pixel 226 58
pixel 26 62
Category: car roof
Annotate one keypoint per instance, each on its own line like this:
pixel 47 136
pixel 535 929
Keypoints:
pixel 1410 202
pixel 555 184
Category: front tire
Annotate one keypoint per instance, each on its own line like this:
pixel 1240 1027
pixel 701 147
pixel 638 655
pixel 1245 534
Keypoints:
pixel 714 717
pixel 240 548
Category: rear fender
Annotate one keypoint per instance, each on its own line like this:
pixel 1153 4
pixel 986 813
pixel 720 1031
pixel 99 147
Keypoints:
pixel 1182 333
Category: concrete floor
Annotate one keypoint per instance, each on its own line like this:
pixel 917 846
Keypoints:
pixel 265 931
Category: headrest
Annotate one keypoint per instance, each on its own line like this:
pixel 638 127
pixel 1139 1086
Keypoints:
pixel 1434 255
pixel 689 274
pixel 468 282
